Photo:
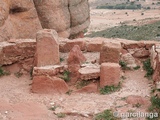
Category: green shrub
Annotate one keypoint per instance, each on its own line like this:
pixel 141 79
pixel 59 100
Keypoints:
pixel 81 84
pixel 65 76
pixel 61 59
pixel 155 107
pixel 105 115
pixel 147 67
pixel 123 65
pixel 18 74
pixel 61 115
pixel 1 72
pixel 136 68
pixel 110 89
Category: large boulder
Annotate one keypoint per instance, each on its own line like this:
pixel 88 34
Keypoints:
pixel 18 19
pixel 67 17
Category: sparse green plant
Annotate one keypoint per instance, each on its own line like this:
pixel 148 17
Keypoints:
pixel 137 105
pixel 137 67
pixel 81 84
pixel 130 32
pixel 155 107
pixel 155 100
pixel 123 77
pixel 147 67
pixel 123 65
pixel 123 98
pixel 110 89
pixel 3 72
pixel 127 5
pixel 85 31
pixel 18 74
pixel 65 76
pixel 31 73
pixel 105 115
pixel 53 108
pixel 61 115
pixel 61 59
pixel 69 92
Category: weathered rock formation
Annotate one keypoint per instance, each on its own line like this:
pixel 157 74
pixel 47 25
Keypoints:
pixel 19 18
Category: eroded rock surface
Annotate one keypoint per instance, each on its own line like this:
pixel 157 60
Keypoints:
pixel 18 19
pixel 23 18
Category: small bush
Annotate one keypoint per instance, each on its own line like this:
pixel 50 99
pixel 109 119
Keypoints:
pixel 123 65
pixel 81 84
pixel 105 115
pixel 137 105
pixel 18 74
pixel 136 68
pixel 110 89
pixel 148 68
pixel 1 72
pixel 155 107
pixel 69 92
pixel 65 76
pixel 61 59
pixel 61 115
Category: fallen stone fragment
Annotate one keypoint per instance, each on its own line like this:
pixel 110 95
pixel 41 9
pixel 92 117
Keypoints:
pixel 51 70
pixel 48 85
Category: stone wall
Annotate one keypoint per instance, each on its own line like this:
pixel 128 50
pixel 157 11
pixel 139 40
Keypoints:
pixel 18 50
pixel 22 55
pixel 21 19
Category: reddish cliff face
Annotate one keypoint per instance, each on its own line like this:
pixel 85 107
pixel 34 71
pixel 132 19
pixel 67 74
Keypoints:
pixel 23 18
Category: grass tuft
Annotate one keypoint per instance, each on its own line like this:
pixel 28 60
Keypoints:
pixel 147 67
pixel 110 89
pixel 105 115
pixel 65 76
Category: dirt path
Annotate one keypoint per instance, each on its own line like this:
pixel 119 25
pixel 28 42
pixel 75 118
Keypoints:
pixel 17 103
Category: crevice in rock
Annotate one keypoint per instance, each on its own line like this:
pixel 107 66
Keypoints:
pixel 16 9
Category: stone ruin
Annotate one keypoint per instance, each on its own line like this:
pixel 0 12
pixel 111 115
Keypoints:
pixel 41 57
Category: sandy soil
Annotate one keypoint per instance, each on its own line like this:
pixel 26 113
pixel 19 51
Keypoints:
pixel 18 103
pixel 103 18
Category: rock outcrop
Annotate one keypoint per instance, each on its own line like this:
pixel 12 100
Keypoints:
pixel 21 19
pixel 18 19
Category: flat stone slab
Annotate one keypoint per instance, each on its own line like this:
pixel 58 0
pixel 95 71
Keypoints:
pixel 48 70
pixel 90 71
